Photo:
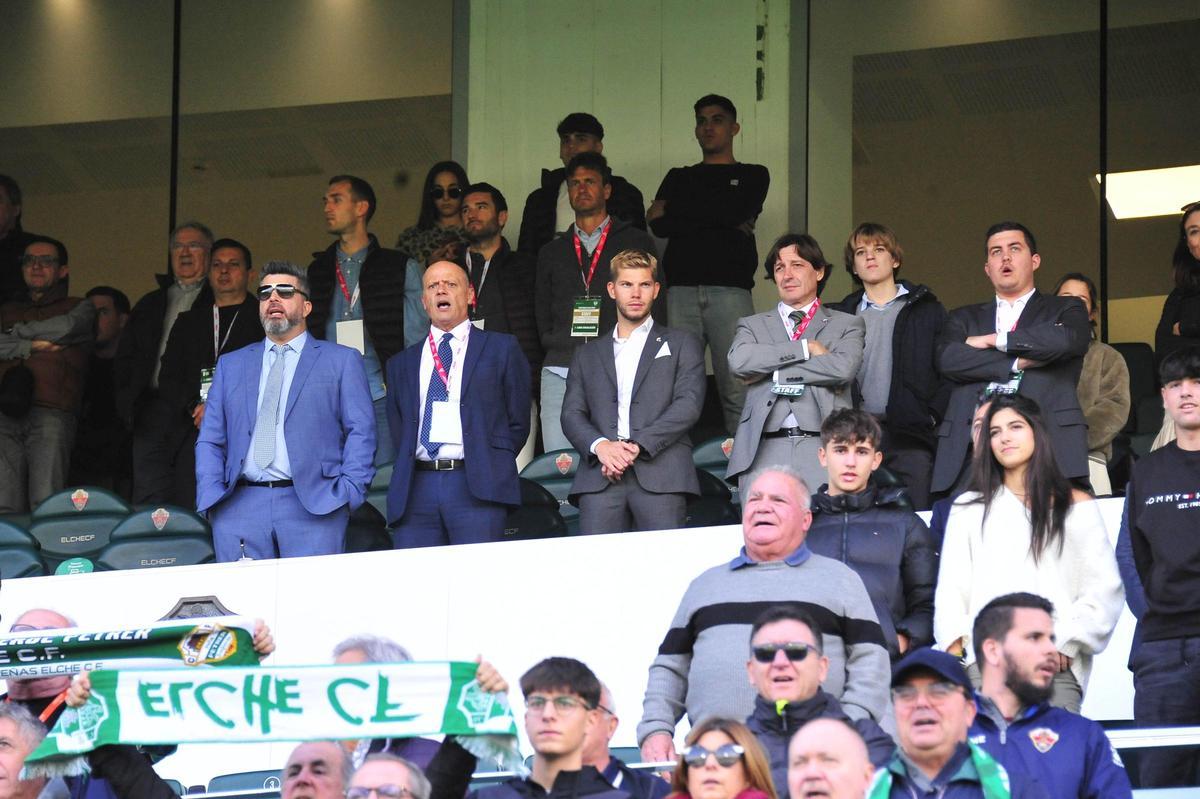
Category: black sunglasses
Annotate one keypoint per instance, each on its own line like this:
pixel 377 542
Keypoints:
pixel 285 290
pixel 726 755
pixel 795 652
pixel 437 193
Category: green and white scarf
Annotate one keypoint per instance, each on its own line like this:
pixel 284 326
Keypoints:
pixel 993 778
pixel 220 641
pixel 257 704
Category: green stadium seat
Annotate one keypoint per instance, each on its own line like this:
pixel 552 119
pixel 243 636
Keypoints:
pixel 367 530
pixel 714 506
pixel 383 477
pixel 246 781
pixel 147 552
pixel 712 456
pixel 538 516
pixel 555 471
pixel 20 554
pixel 159 522
pixel 81 499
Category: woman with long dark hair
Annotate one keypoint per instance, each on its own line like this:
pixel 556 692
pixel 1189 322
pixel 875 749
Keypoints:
pixel 1179 325
pixel 438 234
pixel 1022 527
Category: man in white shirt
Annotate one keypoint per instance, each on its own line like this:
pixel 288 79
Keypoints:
pixel 458 412
pixel 631 399
pixel 1023 342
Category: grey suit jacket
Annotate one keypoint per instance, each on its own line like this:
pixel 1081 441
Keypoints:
pixel 668 395
pixel 762 344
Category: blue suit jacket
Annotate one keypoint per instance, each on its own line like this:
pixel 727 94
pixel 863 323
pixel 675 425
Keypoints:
pixel 494 411
pixel 329 426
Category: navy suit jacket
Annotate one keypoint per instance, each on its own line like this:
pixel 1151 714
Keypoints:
pixel 495 402
pixel 329 426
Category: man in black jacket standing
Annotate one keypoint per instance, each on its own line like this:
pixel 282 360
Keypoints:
pixel 548 209
pixel 143 342
pixel 361 292
pixel 898 381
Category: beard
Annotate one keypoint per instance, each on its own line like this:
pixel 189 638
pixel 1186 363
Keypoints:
pixel 277 327
pixel 1026 691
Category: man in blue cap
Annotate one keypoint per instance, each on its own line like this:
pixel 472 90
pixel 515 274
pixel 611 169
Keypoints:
pixel 935 706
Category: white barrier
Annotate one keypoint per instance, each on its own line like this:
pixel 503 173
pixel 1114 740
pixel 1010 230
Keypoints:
pixel 606 600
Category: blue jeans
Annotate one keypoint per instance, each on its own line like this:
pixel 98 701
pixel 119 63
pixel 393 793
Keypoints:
pixel 1166 681
pixel 712 313
pixel 554 388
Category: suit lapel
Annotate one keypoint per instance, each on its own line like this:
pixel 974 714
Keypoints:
pixel 1032 307
pixel 252 374
pixel 817 325
pixel 476 341
pixel 776 329
pixel 412 362
pixel 654 343
pixel 608 360
pixel 308 357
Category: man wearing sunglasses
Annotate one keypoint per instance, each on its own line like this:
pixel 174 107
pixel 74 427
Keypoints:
pixel 562 697
pixel 935 706
pixel 364 296
pixel 288 436
pixel 786 668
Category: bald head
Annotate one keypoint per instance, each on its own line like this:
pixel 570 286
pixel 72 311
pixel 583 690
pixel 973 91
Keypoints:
pixel 41 687
pixel 828 758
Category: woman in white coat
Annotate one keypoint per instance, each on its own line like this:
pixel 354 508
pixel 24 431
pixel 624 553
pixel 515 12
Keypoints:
pixel 1024 528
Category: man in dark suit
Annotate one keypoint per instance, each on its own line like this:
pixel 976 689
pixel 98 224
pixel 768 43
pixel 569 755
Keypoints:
pixel 799 360
pixel 288 436
pixel 458 411
pixel 639 469
pixel 1023 342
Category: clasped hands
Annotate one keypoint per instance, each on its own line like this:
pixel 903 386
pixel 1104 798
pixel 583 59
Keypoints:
pixel 615 457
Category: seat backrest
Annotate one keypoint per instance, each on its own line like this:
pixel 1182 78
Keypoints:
pixel 162 521
pixel 80 535
pixel 155 553
pixel 713 486
pixel 383 476
pixel 17 562
pixel 559 464
pixel 81 500
pixel 713 453
pixel 245 781
pixel 367 530
pixel 537 517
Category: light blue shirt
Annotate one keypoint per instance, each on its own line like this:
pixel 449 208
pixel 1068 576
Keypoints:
pixel 281 467
pixel 591 240
pixel 865 302
pixel 341 311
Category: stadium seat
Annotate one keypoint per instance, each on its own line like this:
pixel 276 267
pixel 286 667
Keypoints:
pixel 383 476
pixel 626 754
pixel 714 506
pixel 538 516
pixel 20 554
pixel 161 522
pixel 175 785
pixel 76 523
pixel 555 471
pixel 149 552
pixel 883 477
pixel 245 781
pixel 712 456
pixel 367 530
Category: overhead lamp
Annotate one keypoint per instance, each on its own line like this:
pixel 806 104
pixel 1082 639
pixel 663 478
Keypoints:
pixel 1152 192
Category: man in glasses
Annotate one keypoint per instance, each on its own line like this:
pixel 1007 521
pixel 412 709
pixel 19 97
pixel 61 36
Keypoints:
pixel 363 294
pixel 561 708
pixel 935 706
pixel 386 776
pixel 548 209
pixel 42 388
pixel 786 668
pixel 1069 754
pixel 144 340
pixel 702 657
pixel 288 435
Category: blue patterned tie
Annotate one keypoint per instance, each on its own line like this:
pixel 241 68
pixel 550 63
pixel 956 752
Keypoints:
pixel 268 412
pixel 438 392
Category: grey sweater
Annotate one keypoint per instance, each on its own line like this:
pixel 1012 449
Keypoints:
pixel 701 664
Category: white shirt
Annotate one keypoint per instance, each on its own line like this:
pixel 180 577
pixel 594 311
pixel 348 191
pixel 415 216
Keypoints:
pixel 1007 314
pixel 627 352
pixel 458 348
pixel 564 214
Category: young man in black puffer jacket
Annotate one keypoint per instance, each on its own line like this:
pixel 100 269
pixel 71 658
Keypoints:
pixel 872 531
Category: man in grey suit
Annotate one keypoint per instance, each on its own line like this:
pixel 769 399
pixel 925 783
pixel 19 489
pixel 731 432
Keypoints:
pixel 631 399
pixel 798 359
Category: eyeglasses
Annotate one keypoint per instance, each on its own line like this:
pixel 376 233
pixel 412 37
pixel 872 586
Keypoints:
pixel 285 291
pixel 937 692
pixel 563 703
pixel 610 712
pixel 39 260
pixel 437 193
pixel 795 651
pixel 189 245
pixel 382 791
pixel 726 755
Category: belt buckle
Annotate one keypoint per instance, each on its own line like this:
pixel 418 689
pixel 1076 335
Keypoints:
pixel 443 465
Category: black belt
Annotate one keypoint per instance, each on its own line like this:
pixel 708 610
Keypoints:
pixel 791 432
pixel 440 465
pixel 266 484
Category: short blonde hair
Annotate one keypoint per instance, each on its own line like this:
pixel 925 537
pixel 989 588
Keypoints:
pixel 633 259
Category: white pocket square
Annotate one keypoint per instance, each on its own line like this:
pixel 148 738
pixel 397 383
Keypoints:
pixel 663 351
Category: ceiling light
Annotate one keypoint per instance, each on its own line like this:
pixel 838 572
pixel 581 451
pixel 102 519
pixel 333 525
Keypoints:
pixel 1152 192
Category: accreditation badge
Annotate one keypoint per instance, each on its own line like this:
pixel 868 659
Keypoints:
pixel 206 381
pixel 585 317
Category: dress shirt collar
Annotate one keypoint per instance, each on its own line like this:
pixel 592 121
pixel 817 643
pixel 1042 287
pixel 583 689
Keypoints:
pixel 459 331
pixel 866 301
pixel 798 557
pixel 642 330
pixel 297 344
pixel 591 240
pixel 1019 302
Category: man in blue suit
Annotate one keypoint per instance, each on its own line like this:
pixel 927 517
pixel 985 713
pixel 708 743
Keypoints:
pixel 458 409
pixel 288 438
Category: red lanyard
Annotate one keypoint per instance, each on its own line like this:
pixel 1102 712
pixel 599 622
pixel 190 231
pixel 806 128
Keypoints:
pixel 437 363
pixel 352 300
pixel 54 705
pixel 802 326
pixel 587 284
